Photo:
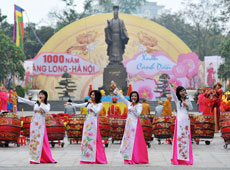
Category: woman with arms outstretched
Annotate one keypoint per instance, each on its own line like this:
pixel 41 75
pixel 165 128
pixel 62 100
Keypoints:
pixel 92 150
pixel 133 146
pixel 39 145
pixel 182 142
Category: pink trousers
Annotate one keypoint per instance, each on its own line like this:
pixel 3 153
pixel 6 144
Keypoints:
pixel 140 152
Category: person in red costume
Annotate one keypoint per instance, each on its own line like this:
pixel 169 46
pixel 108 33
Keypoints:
pixel 3 98
pixel 218 98
pixel 225 104
pixel 208 103
pixel 114 109
pixel 200 101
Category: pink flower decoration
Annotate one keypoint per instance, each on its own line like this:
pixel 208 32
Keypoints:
pixel 90 134
pixel 133 130
pixel 87 154
pixel 89 146
pixel 82 147
pixel 91 123
pixel 180 70
pixel 187 65
pixel 145 92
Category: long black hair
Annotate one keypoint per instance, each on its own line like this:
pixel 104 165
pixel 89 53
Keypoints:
pixel 134 92
pixel 178 89
pixel 46 95
pixel 97 95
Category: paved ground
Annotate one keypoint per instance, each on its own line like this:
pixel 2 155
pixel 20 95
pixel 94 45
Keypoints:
pixel 212 156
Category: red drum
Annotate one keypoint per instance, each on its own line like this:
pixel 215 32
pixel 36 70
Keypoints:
pixel 225 126
pixel 223 117
pixel 117 129
pixel 26 126
pixel 55 128
pixel 104 126
pixel 10 126
pixel 147 128
pixel 150 116
pixel 161 126
pixel 204 126
pixel 75 125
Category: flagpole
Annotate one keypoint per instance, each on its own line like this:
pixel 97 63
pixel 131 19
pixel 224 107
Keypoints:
pixel 36 36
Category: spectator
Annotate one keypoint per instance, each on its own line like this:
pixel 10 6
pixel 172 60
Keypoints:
pixel 159 108
pixel 167 109
pixel 69 109
pixel 145 107
pixel 114 108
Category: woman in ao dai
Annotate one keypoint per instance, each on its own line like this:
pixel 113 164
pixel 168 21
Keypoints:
pixel 133 146
pixel 39 145
pixel 182 143
pixel 92 150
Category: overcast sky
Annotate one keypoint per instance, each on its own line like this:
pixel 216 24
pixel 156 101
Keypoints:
pixel 37 10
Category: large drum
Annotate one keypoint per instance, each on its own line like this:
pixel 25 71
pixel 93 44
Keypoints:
pixel 150 116
pixel 10 126
pixel 26 126
pixel 117 129
pixel 147 128
pixel 204 127
pixel 161 126
pixel 75 125
pixel 223 117
pixel 104 125
pixel 55 128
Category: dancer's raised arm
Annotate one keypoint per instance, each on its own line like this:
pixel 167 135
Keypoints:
pixel 117 92
pixel 29 102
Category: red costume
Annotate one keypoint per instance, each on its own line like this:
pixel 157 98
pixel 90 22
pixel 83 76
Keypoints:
pixel 218 99
pixel 4 99
pixel 201 103
pixel 208 104
pixel 114 109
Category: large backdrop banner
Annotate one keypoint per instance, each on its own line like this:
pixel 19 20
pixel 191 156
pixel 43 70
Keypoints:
pixel 80 49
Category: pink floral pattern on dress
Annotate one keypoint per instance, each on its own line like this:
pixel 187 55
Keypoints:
pixel 128 139
pixel 36 138
pixel 183 142
pixel 88 145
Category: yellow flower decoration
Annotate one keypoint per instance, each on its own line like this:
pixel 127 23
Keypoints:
pixel 121 92
pixel 127 132
pixel 87 125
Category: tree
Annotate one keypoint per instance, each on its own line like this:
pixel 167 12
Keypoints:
pixel 5 26
pixel 203 16
pixel 225 14
pixel 70 14
pixel 31 44
pixel 67 85
pixel 224 69
pixel 177 24
pixel 11 59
